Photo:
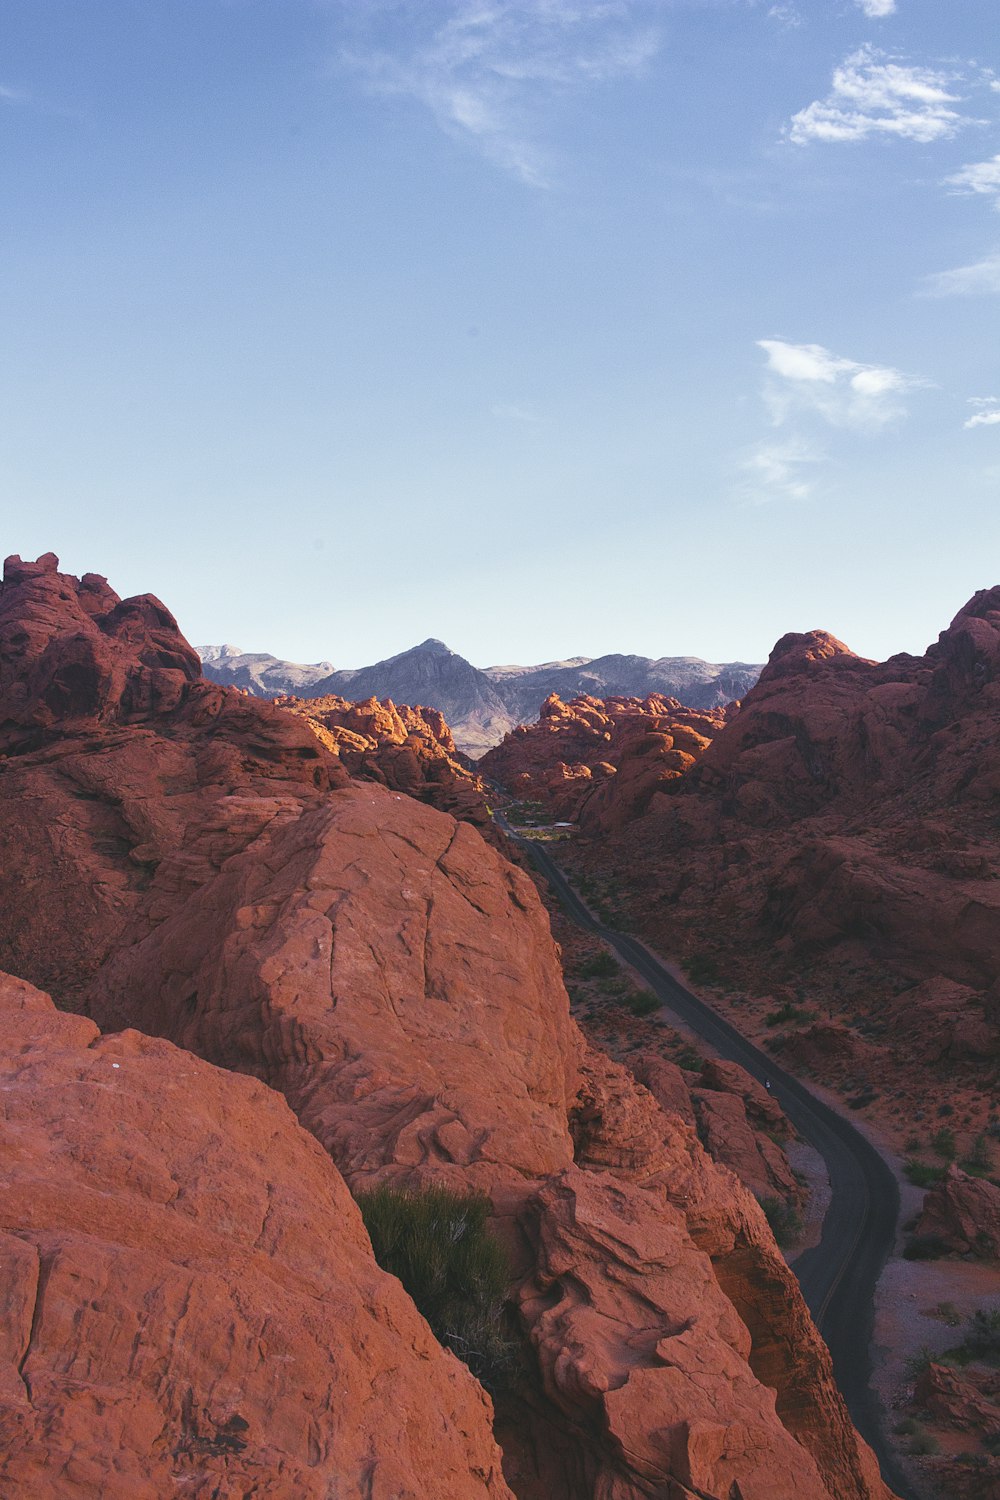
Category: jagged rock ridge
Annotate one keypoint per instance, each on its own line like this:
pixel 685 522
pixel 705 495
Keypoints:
pixel 483 705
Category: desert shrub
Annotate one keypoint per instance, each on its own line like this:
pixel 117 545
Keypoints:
pixel 641 1002
pixel 785 1222
pixel 923 1443
pixel 787 1012
pixel 907 1426
pixel 925 1247
pixel 601 966
pixel 982 1341
pixel 943 1143
pixel 979 1162
pixel 922 1174
pixel 701 968
pixel 687 1058
pixel 456 1270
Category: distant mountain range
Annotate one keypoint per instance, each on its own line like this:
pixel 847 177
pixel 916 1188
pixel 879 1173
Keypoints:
pixel 483 704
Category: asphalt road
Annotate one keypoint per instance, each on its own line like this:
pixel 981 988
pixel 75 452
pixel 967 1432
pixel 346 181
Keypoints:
pixel 838 1276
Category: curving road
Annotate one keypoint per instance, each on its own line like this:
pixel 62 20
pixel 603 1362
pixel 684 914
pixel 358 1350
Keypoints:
pixel 838 1276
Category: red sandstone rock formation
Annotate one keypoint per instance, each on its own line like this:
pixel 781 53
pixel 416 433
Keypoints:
pixel 190 1303
pixel 407 749
pixel 602 760
pixel 396 979
pixel 963 1212
pixel 838 832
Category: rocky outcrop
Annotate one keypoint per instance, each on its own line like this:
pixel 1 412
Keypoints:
pixel 846 801
pixel 395 978
pixel 410 750
pixel 969 1401
pixel 601 761
pixel 118 764
pixel 190 1300
pixel 963 1213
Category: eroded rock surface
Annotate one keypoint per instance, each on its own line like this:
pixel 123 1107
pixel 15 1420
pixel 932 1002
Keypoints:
pixel 602 760
pixel 190 1301
pixel 836 836
pixel 409 750
pixel 963 1212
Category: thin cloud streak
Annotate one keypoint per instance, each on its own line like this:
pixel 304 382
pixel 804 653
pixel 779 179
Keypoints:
pixel 778 471
pixel 982 177
pixel 877 9
pixel 485 68
pixel 988 413
pixel 982 279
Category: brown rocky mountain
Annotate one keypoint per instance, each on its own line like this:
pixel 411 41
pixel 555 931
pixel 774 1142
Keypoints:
pixel 483 705
pixel 193 870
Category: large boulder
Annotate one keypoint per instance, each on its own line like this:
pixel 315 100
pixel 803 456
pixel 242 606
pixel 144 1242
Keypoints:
pixel 191 1305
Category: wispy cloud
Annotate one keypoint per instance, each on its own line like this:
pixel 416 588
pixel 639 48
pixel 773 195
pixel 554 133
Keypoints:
pixel 979 177
pixel 13 96
pixel 987 413
pixel 978 280
pixel 877 8
pixel 486 68
pixel 806 378
pixel 508 411
pixel 872 95
pixel 785 14
pixel 778 471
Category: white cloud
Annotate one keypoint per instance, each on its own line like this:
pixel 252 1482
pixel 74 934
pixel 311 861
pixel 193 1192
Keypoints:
pixel 778 471
pixel 980 279
pixel 979 177
pixel 485 68
pixel 808 379
pixel 872 95
pixel 877 8
pixel 987 413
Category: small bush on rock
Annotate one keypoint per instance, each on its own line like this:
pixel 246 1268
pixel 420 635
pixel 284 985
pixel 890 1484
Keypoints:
pixel 456 1270
pixel 785 1222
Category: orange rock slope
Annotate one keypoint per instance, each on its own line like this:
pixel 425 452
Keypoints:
pixel 191 1305
pixel 197 866
pixel 601 760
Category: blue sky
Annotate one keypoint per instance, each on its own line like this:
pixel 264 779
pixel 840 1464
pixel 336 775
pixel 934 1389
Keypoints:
pixel 547 328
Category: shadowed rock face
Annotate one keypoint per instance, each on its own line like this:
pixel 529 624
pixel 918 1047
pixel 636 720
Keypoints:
pixel 190 1300
pixel 117 762
pixel 839 832
pixel 395 979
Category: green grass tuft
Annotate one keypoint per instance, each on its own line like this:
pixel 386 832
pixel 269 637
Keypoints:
pixel 439 1245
